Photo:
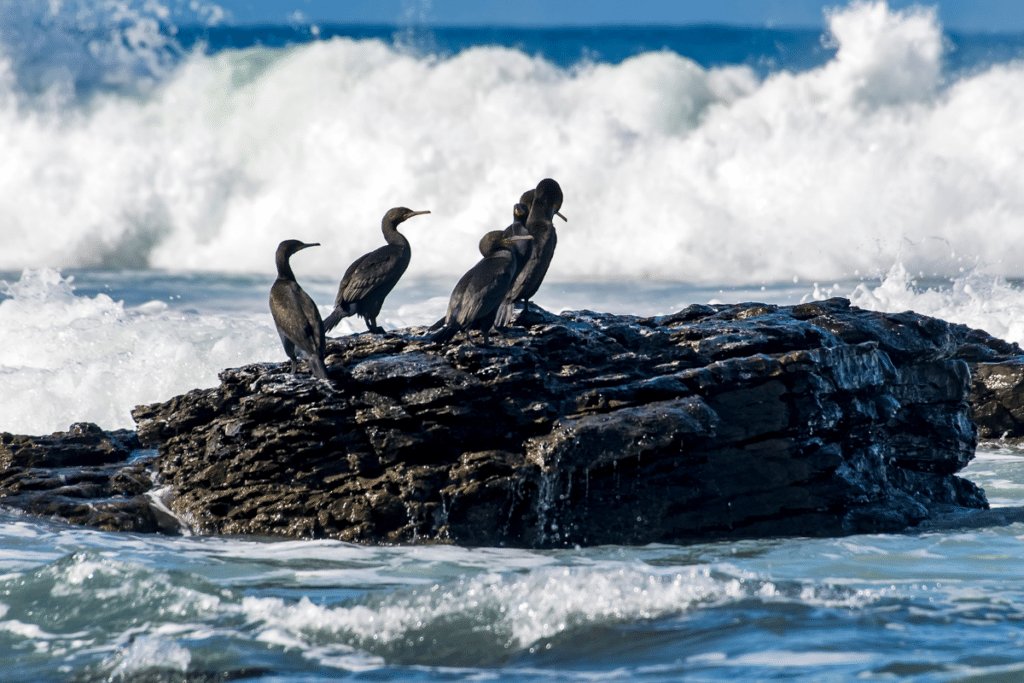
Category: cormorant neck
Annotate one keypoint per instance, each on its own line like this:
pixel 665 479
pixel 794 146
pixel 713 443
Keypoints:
pixel 284 268
pixel 391 234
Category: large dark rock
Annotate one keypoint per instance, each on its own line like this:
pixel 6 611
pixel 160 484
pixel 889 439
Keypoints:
pixel 584 428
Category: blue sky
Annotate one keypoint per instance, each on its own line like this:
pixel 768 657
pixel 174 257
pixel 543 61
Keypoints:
pixel 969 15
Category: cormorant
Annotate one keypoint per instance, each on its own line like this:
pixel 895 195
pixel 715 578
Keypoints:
pixel 371 277
pixel 546 201
pixel 296 316
pixel 478 295
pixel 522 249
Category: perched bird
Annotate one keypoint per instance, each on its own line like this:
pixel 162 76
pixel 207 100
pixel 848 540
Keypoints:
pixel 478 295
pixel 544 206
pixel 522 249
pixel 371 277
pixel 296 316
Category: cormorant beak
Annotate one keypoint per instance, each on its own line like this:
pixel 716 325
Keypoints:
pixel 309 244
pixel 518 238
pixel 561 216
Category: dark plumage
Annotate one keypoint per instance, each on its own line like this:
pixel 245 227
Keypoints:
pixel 296 316
pixel 478 295
pixel 544 205
pixel 371 277
pixel 522 249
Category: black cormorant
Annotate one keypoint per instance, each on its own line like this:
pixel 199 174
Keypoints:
pixel 546 201
pixel 371 277
pixel 478 295
pixel 296 316
pixel 522 249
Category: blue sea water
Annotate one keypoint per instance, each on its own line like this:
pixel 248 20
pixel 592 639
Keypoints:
pixel 153 158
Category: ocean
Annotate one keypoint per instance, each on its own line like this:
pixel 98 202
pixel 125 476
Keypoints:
pixel 153 159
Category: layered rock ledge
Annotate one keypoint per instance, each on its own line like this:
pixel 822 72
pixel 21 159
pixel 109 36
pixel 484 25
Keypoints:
pixel 725 421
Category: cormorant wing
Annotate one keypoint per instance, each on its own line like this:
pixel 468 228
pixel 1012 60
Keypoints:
pixel 482 289
pixel 369 272
pixel 297 317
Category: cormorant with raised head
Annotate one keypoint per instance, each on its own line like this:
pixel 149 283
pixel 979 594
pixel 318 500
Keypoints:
pixel 522 249
pixel 371 277
pixel 546 201
pixel 296 316
pixel 478 295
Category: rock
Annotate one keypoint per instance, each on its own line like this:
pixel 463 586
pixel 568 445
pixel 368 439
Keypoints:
pixel 83 476
pixel 997 389
pixel 587 428
pixel 722 421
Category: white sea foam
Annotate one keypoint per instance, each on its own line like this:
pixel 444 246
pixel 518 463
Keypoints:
pixel 147 654
pixel 519 611
pixel 976 299
pixel 67 358
pixel 669 169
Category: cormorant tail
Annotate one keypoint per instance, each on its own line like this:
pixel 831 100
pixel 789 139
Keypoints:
pixel 335 317
pixel 316 365
pixel 504 316
pixel 445 334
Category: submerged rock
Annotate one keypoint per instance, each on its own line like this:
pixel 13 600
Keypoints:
pixel 585 428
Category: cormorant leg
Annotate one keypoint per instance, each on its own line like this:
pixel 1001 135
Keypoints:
pixel 289 348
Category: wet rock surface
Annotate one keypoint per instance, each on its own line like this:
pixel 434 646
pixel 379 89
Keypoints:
pixel 719 421
pixel 997 390
pixel 82 476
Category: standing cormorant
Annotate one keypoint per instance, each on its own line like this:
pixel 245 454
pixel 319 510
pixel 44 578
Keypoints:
pixel 478 295
pixel 546 201
pixel 296 316
pixel 371 277
pixel 522 249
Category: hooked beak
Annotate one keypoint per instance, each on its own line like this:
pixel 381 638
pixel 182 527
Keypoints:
pixel 557 213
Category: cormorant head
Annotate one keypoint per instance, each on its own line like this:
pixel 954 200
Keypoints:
pixel 519 212
pixel 549 192
pixel 400 214
pixel 496 239
pixel 285 251
pixel 489 242
pixel 289 247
